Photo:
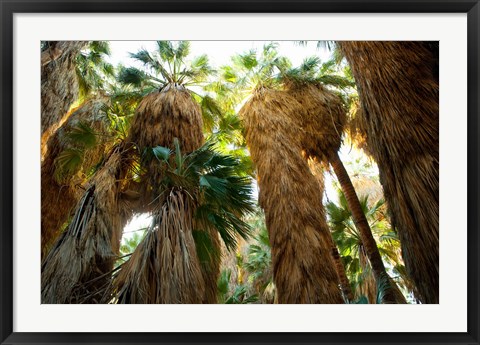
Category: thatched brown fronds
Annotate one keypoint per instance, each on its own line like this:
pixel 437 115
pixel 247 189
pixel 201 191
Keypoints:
pixel 398 88
pixel 160 118
pixel 302 265
pixel 167 114
pixel 356 127
pixel 59 84
pixel 60 194
pixel 77 268
pixel 321 116
pixel 165 267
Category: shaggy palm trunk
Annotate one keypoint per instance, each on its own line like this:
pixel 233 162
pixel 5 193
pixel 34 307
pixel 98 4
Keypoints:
pixel 363 227
pixel 303 267
pixel 59 196
pixel 165 267
pixel 77 269
pixel 59 84
pixel 398 89
pixel 322 118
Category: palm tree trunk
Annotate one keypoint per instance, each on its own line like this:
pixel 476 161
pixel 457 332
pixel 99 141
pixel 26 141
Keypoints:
pixel 303 267
pixel 77 268
pixel 363 227
pixel 342 275
pixel 178 275
pixel 398 90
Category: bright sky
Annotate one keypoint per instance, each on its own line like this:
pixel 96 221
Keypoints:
pixel 219 52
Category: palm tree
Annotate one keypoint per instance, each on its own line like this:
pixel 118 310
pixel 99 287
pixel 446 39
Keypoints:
pixel 303 268
pixel 302 265
pixel 169 114
pixel 322 116
pixel 398 87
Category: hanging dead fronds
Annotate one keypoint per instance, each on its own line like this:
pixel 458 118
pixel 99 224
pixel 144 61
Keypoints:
pixel 167 114
pixel 302 265
pixel 215 200
pixel 59 85
pixel 165 267
pixel 77 268
pixel 322 118
pixel 398 89
pixel 160 117
pixel 356 127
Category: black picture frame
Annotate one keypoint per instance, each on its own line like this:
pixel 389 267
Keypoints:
pixel 9 8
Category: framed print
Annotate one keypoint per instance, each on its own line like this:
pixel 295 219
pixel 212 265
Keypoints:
pixel 239 172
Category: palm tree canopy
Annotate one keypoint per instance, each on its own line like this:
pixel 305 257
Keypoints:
pixel 168 64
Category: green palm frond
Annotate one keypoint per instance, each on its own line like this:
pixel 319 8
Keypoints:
pixel 166 50
pixel 350 245
pixel 138 78
pixel 183 50
pixel 207 252
pixel 132 76
pixel 102 47
pixel 246 61
pixel 222 196
pixel 93 71
pixel 239 295
pixel 211 112
pixel 144 56
pixel 223 282
pixel 254 69
pixel 336 81
pixel 67 163
pixel 84 135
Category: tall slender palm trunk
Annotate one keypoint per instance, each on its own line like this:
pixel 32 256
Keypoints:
pixel 363 227
pixel 342 275
pixel 398 89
